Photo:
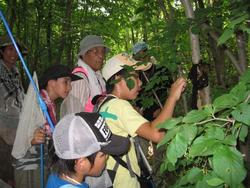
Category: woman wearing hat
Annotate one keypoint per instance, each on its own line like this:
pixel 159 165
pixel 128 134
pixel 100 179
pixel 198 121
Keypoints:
pixel 12 93
pixel 90 61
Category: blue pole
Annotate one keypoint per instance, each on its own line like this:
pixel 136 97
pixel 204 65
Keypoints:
pixel 40 100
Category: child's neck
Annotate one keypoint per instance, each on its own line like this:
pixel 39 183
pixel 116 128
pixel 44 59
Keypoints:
pixel 51 94
pixel 116 93
pixel 75 179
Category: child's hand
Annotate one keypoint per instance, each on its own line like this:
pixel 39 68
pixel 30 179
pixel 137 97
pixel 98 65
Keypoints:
pixel 38 137
pixel 177 88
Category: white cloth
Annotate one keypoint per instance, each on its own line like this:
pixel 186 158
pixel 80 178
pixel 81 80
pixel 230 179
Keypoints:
pixel 103 181
pixel 82 90
pixel 96 82
pixel 31 117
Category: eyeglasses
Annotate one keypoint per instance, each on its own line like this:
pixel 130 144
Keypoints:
pixel 98 51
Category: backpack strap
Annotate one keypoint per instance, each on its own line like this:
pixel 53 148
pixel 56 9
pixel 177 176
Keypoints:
pixel 125 165
pixel 80 70
pixel 99 100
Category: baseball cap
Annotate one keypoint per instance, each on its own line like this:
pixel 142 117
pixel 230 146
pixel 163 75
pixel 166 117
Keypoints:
pixel 82 134
pixel 139 46
pixel 117 62
pixel 91 41
pixel 54 72
pixel 6 41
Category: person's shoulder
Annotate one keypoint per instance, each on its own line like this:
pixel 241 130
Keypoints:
pixel 117 101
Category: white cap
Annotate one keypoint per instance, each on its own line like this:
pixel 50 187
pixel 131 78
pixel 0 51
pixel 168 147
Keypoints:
pixel 117 62
pixel 82 134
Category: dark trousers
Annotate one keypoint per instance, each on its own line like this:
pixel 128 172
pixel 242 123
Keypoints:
pixel 6 169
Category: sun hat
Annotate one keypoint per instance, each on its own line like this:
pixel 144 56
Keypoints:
pixel 54 72
pixel 6 41
pixel 139 46
pixel 91 41
pixel 82 134
pixel 117 63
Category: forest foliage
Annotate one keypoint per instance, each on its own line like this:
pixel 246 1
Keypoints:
pixel 201 147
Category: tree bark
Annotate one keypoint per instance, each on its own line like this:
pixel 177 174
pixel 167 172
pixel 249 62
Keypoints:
pixel 242 53
pixel 49 32
pixel 11 13
pixel 219 61
pixel 228 53
pixel 204 94
pixel 39 10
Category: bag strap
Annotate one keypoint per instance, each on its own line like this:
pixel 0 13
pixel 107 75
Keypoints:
pixel 124 164
pixel 99 100
pixel 81 70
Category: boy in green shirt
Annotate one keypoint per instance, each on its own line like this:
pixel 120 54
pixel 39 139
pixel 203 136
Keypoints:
pixel 128 121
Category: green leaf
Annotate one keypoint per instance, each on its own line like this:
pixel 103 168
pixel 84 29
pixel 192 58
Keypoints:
pixel 170 123
pixel 208 109
pixel 188 132
pixel 244 28
pixel 227 34
pixel 241 113
pixel 243 133
pixel 195 116
pixel 168 136
pixel 215 132
pixel 228 165
pixel 215 182
pixel 239 91
pixel 238 20
pixel 203 183
pixel 176 148
pixel 130 83
pixel 246 76
pixel 192 176
pixel 203 146
pixel 230 140
pixel 224 101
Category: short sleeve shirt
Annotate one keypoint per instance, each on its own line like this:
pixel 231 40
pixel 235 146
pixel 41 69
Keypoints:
pixel 126 120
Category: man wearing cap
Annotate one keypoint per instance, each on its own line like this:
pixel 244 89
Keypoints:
pixel 90 61
pixel 12 93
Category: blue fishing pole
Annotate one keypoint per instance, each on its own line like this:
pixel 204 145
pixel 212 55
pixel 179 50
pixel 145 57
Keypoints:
pixel 40 100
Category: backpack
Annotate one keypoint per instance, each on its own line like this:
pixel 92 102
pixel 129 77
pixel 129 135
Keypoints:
pixel 145 180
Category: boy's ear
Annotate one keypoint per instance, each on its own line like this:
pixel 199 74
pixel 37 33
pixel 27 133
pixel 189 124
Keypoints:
pixel 80 164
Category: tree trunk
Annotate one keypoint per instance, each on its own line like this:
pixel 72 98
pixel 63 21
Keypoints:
pixel 69 59
pixel 49 32
pixel 228 53
pixel 219 61
pixel 242 53
pixel 65 30
pixel 204 94
pixel 11 13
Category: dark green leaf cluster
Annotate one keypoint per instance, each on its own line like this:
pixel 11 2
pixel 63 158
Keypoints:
pixel 202 146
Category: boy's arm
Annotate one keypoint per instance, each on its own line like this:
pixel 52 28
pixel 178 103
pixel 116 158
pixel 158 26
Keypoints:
pixel 168 109
pixel 148 130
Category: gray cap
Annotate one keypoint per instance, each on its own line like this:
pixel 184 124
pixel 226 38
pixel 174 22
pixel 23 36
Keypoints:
pixel 82 134
pixel 91 41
